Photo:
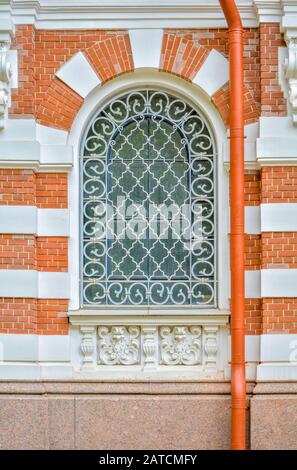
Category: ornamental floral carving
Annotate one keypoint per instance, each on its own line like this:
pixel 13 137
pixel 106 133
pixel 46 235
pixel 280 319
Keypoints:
pixel 291 75
pixel 5 77
pixel 118 345
pixel 210 345
pixel 87 345
pixel 180 345
pixel 149 346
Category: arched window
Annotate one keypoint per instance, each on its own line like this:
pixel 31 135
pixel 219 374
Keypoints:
pixel 148 204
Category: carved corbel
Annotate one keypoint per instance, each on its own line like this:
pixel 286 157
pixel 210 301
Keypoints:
pixel 5 77
pixel 87 346
pixel 291 75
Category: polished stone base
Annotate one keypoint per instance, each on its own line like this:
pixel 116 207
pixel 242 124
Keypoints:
pixel 118 415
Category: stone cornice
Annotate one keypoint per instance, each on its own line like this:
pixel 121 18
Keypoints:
pixel 125 13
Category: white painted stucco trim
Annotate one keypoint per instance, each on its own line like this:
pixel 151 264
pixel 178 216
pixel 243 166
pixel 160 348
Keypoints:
pixel 279 217
pixel 253 284
pixel 78 74
pixel 33 284
pixel 278 348
pixel 30 348
pixel 213 74
pixel 146 47
pixel 279 283
pixel 125 14
pixel 25 144
pixel 277 141
pixel 271 283
pixel 33 220
pixel 252 220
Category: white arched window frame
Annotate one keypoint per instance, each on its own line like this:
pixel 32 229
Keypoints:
pixel 146 79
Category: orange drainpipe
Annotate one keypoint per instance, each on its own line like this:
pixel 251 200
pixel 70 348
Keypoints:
pixel 238 381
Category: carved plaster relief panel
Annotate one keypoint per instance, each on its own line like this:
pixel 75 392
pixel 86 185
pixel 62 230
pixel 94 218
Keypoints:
pixel 118 345
pixel 180 345
pixel 5 77
pixel 151 348
pixel 291 75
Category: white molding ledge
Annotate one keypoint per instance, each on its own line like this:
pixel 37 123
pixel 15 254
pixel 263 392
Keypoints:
pixel 25 144
pixel 33 284
pixel 277 142
pixel 32 220
pixel 127 14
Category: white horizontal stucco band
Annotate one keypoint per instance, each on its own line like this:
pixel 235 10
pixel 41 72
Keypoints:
pixel 279 283
pixel 279 217
pixel 277 357
pixel 213 74
pixel 32 220
pixel 272 217
pixel 270 283
pixel 252 220
pixel 33 284
pixel 79 75
pixel 251 133
pixel 28 130
pixel 146 45
pixel 252 284
pixel 252 348
pixel 41 348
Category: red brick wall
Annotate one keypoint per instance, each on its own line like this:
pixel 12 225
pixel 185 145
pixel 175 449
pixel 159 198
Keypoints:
pixel 252 188
pixel 273 102
pixel 17 187
pixel 45 190
pixel 32 316
pixel 253 252
pixel 42 52
pixel 23 102
pixel 279 315
pixel 52 190
pixel 52 254
pixel 52 317
pixel 253 316
pixel 279 184
pixel 45 97
pixel 18 316
pixel 279 250
pixel 17 251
